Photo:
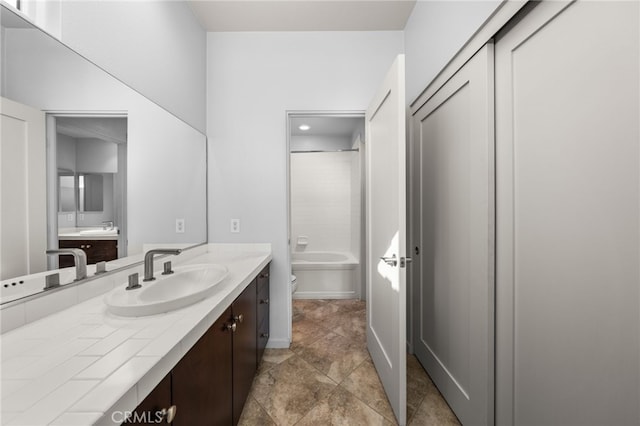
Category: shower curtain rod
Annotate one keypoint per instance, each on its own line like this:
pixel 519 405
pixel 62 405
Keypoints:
pixel 328 150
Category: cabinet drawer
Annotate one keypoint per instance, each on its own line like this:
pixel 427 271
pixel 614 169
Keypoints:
pixel 263 312
pixel 263 337
pixel 263 278
pixel 263 303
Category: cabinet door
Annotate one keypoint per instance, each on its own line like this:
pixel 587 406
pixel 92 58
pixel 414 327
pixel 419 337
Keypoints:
pixel 453 298
pixel 96 251
pixel 568 258
pixel 202 380
pixel 244 347
pixel 148 412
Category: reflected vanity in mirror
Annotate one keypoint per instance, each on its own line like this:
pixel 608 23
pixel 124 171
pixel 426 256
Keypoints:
pixel 102 165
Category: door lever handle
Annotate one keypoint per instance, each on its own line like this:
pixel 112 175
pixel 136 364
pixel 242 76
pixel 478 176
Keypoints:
pixel 391 261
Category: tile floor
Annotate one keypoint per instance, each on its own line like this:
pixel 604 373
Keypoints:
pixel 326 377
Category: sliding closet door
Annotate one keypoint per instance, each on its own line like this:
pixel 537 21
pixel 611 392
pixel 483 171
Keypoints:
pixel 568 197
pixel 454 310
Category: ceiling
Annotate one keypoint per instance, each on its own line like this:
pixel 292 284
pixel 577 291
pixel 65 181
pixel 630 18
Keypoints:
pixel 326 126
pixel 111 129
pixel 302 15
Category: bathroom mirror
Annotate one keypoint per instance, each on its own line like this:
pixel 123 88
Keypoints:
pixel 90 192
pixel 66 191
pixel 163 166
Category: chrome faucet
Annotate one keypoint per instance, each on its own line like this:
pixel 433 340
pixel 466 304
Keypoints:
pixel 108 223
pixel 79 258
pixel 148 261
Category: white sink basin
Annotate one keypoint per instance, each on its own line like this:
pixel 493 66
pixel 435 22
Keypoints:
pixel 187 285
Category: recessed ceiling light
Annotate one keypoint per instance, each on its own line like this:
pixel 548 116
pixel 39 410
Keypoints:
pixel 304 127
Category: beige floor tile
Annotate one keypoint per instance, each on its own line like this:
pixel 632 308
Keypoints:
pixel 273 357
pixel 299 385
pixel 290 389
pixel 341 408
pixel 305 332
pixel 434 411
pixel 418 385
pixel 317 310
pixel 365 384
pixel 254 415
pixel 349 324
pixel 334 355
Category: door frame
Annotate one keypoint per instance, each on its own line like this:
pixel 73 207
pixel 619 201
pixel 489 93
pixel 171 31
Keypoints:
pixel 52 180
pixel 289 115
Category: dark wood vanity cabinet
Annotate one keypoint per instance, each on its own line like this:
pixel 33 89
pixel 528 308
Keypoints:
pixel 149 410
pixel 245 346
pixel 203 380
pixel 96 250
pixel 211 383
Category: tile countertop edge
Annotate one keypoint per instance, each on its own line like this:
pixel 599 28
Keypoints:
pixel 245 262
pixel 165 364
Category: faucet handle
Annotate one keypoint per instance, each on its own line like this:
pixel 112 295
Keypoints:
pixel 167 268
pixel 133 282
pixel 52 281
pixel 101 268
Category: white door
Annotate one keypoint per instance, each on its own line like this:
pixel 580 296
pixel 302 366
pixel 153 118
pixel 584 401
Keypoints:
pixel 568 216
pixel 23 215
pixel 454 295
pixel 386 232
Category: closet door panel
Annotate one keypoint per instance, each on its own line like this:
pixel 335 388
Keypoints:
pixel 568 164
pixel 454 325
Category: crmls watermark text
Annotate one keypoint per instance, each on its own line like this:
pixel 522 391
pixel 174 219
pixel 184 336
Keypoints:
pixel 148 417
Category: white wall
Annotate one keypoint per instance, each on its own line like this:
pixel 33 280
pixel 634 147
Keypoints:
pixel 321 193
pixel 252 80
pixel 157 47
pixel 66 152
pixel 96 156
pixel 313 142
pixel 434 33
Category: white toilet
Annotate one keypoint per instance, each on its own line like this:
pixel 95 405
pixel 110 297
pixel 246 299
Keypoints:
pixel 294 284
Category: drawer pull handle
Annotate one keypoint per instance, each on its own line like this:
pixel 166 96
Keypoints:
pixel 169 413
pixel 238 318
pixel 231 326
pixel 264 335
pixel 264 301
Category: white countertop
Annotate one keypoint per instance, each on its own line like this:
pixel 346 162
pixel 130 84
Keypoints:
pixel 88 233
pixel 84 365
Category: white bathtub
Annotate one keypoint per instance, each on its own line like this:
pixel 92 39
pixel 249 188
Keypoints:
pixel 325 275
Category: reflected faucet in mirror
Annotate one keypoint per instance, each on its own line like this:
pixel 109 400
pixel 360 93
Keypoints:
pixel 79 258
pixel 107 225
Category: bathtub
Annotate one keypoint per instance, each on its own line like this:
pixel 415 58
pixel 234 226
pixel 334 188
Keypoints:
pixel 326 275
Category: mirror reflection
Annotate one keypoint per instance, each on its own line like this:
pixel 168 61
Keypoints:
pixel 103 165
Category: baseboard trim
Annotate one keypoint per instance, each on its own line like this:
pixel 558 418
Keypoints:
pixel 278 343
pixel 325 295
